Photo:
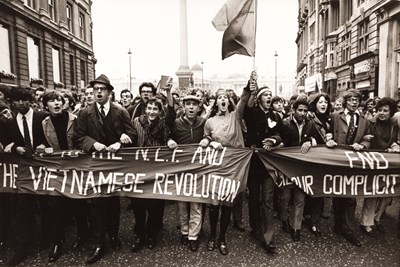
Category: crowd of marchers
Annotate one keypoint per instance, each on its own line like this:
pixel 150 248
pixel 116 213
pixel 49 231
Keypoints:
pixel 44 121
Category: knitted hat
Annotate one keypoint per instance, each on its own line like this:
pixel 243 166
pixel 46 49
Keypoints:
pixel 263 90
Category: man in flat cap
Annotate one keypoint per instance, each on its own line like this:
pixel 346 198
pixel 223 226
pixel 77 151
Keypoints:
pixel 103 127
pixel 188 129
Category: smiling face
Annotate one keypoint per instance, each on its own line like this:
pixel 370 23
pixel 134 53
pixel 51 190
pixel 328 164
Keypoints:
pixel 101 93
pixel 55 106
pixel 322 105
pixel 152 111
pixel 191 109
pixel 384 113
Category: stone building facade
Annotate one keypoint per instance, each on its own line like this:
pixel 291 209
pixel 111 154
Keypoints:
pixel 46 42
pixel 346 44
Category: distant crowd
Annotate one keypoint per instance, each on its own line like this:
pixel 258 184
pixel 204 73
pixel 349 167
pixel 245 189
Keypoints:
pixel 43 121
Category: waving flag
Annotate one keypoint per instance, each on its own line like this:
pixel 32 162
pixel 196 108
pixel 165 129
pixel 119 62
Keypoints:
pixel 226 14
pixel 240 29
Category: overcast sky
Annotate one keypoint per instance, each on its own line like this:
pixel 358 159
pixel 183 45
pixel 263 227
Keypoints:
pixel 151 29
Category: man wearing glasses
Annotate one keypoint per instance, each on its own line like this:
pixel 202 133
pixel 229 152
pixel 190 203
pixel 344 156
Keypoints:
pixel 126 98
pixel 103 127
pixel 147 90
pixel 348 127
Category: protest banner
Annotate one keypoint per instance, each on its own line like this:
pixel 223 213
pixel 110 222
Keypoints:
pixel 187 173
pixel 338 172
pixel 205 175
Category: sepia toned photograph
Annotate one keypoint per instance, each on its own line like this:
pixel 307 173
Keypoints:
pixel 200 133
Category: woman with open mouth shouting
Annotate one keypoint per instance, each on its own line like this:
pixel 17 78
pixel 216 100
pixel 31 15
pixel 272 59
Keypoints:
pixel 225 129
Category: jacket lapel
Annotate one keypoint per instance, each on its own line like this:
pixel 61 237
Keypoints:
pixel 343 117
pixel 17 131
pixel 71 120
pixel 94 117
pixel 360 128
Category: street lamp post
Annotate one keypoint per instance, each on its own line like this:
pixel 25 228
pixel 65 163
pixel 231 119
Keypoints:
pixel 202 66
pixel 130 70
pixel 276 69
pixel 324 7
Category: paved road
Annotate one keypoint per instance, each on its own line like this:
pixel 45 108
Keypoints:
pixel 329 250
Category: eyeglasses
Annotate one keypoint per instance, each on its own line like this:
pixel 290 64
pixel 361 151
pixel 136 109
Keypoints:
pixel 100 88
pixel 147 91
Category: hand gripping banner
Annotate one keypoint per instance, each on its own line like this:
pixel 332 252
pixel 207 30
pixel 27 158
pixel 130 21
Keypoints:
pixel 338 172
pixel 192 173
pixel 187 173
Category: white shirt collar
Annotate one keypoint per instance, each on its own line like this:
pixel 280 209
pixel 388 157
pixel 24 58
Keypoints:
pixel 346 111
pixel 106 107
pixel 29 120
pixel 28 115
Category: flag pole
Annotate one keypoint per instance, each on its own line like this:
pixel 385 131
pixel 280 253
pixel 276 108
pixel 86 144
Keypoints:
pixel 255 33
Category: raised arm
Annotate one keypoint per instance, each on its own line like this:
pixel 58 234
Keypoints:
pixel 246 94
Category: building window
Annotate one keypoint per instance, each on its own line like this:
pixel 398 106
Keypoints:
pixel 363 32
pixel 330 55
pixel 345 44
pixel 82 28
pixel 69 16
pixel 348 8
pixel 52 10
pixel 56 65
pixel 30 3
pixel 398 39
pixel 33 58
pixel 311 65
pixel 5 59
pixel 312 34
pixel 335 9
pixel 83 73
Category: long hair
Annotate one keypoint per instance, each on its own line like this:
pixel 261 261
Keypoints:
pixel 214 111
pixel 314 101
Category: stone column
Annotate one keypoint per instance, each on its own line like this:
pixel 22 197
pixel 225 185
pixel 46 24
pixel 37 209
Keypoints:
pixel 21 52
pixel 184 74
pixel 384 59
